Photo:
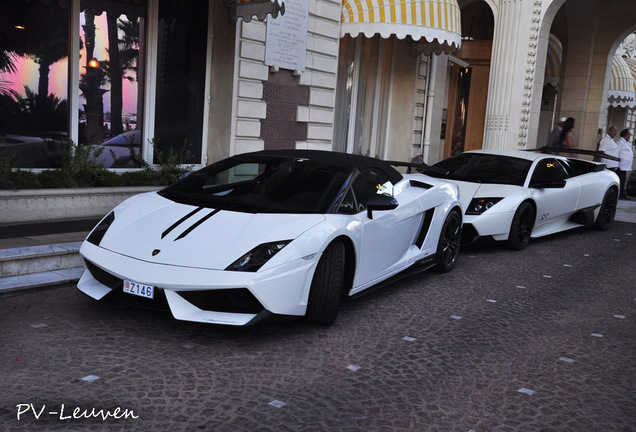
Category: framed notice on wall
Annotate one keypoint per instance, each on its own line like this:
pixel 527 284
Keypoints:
pixel 286 43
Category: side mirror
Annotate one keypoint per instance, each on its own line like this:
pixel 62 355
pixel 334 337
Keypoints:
pixel 183 175
pixel 380 203
pixel 554 184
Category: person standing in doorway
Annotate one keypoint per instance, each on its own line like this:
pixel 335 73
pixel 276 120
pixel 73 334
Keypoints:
pixel 567 134
pixel 626 154
pixel 610 148
pixel 555 136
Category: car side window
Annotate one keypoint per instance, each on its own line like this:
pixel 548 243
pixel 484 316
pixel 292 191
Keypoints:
pixel 549 170
pixel 348 205
pixel 368 184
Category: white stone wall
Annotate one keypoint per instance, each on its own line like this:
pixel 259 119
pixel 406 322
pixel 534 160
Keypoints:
pixel 250 71
pixel 51 204
pixel 323 41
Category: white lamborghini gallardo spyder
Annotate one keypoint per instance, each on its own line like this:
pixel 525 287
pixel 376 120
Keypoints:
pixel 288 232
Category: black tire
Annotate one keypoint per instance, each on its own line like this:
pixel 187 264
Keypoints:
pixel 450 240
pixel 521 227
pixel 607 213
pixel 326 286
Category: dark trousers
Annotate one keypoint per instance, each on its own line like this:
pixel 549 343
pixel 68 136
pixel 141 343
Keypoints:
pixel 622 176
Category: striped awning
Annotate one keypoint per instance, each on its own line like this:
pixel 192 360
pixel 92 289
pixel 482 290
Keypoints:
pixel 621 86
pixel 553 61
pixel 437 22
pixel 259 9
pixel 631 64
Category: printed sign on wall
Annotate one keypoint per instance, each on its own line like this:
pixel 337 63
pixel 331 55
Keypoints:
pixel 286 43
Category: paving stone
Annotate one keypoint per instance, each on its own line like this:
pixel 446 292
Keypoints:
pixel 360 374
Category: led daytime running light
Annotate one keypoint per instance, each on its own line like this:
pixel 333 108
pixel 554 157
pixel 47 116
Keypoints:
pixel 257 257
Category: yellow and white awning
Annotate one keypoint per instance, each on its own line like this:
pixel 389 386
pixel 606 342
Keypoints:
pixel 259 9
pixel 631 64
pixel 438 22
pixel 622 91
pixel 553 61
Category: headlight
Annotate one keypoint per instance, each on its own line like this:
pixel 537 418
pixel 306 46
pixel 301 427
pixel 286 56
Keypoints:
pixel 254 259
pixel 479 205
pixel 98 232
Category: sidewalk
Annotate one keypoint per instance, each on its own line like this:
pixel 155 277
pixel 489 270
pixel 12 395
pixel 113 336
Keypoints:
pixel 626 211
pixel 45 233
pixel 41 254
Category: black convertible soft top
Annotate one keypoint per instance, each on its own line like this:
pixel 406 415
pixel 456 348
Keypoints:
pixel 336 158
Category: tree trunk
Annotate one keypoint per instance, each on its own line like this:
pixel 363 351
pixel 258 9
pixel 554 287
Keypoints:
pixel 116 91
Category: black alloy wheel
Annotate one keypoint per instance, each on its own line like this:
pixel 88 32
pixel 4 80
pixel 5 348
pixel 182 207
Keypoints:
pixel 607 213
pixel 449 243
pixel 522 226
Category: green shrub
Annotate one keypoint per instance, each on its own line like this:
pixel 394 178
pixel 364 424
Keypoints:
pixel 80 169
pixel 7 160
pixel 53 179
pixel 23 180
pixel 139 178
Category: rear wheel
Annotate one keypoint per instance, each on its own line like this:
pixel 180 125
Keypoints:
pixel 326 287
pixel 521 227
pixel 449 243
pixel 607 213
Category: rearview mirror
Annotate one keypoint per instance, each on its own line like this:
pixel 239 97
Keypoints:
pixel 380 203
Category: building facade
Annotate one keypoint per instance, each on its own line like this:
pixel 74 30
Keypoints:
pixel 395 80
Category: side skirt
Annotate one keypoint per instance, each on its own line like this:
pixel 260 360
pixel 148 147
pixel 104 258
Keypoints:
pixel 418 267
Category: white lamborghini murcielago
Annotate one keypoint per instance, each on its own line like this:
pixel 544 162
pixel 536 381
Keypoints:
pixel 514 195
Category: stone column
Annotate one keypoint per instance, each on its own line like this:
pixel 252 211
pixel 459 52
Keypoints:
pixel 512 74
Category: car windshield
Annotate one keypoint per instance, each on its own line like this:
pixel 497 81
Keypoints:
pixel 483 168
pixel 262 184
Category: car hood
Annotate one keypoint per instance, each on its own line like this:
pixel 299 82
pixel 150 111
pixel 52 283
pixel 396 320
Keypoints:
pixel 154 229
pixel 468 191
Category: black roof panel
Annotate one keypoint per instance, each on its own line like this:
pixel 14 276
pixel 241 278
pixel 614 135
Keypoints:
pixel 336 158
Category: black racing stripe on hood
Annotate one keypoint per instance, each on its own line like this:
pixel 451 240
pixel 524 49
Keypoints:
pixel 196 224
pixel 180 221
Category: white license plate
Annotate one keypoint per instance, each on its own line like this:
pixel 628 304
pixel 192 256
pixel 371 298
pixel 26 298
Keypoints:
pixel 138 289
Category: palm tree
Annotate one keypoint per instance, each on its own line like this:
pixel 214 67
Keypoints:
pixel 91 82
pixel 123 54
pixel 7 64
pixel 115 72
pixel 7 59
pixel 129 47
pixel 44 38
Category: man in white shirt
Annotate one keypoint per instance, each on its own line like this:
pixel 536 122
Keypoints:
pixel 609 147
pixel 626 153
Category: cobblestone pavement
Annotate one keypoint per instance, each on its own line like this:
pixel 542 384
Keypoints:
pixel 538 340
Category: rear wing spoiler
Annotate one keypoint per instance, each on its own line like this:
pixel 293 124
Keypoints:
pixel 420 167
pixel 598 154
pixel 409 165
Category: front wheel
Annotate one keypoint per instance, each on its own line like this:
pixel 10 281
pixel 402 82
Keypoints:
pixel 607 213
pixel 326 286
pixel 449 243
pixel 521 227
